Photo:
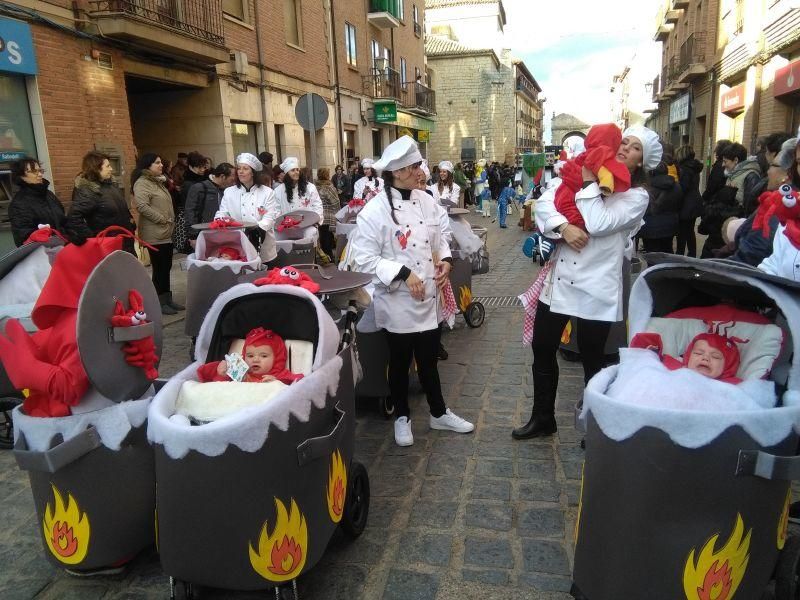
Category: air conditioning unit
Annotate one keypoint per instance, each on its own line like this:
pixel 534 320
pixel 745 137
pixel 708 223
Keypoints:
pixel 240 63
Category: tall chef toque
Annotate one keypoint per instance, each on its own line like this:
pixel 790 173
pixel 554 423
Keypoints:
pixel 446 165
pixel 290 163
pixel 245 158
pixel 367 163
pixel 402 152
pixel 651 147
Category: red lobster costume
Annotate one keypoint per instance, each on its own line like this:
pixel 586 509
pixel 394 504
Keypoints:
pixel 138 353
pixel 783 204
pixel 288 276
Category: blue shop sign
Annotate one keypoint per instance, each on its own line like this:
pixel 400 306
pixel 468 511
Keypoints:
pixel 16 48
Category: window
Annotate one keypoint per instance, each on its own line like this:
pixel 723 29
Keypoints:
pixel 234 8
pixel 377 144
pixel 280 140
pixel 387 54
pixel 403 78
pixel 417 75
pixel 376 53
pixel 293 22
pixel 350 43
pixel 401 11
pixel 243 136
pixel 417 24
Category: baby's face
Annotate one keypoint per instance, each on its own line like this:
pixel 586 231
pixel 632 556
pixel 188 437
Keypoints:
pixel 706 360
pixel 226 256
pixel 260 359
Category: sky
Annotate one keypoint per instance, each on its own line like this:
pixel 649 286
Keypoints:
pixel 575 47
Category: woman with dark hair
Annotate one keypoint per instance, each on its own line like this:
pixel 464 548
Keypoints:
pixel 716 177
pixel 585 281
pixel 330 204
pixel 401 241
pixel 364 188
pixel 689 170
pixel 195 174
pixel 661 218
pixel 277 177
pixel 203 200
pixel 156 224
pixel 33 204
pixel 445 191
pixel 296 192
pixel 344 187
pixel 97 201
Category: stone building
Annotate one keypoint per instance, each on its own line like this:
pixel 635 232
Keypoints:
pixel 563 126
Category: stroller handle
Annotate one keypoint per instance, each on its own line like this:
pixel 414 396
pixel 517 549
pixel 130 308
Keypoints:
pixel 59 456
pixel 768 466
pixel 318 447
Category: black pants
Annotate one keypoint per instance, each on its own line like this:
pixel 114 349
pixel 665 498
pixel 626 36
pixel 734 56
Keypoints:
pixel 327 241
pixel 161 262
pixel 592 337
pixel 713 242
pixel 687 240
pixel 424 346
pixel 657 244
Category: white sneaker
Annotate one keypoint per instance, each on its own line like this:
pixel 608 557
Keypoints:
pixel 402 432
pixel 448 422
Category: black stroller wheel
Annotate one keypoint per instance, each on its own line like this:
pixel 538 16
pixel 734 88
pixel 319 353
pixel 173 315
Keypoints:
pixel 356 504
pixel 386 407
pixel 475 314
pixel 180 590
pixel 787 573
pixel 7 424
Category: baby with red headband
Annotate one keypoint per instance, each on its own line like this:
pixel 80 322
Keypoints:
pixel 264 353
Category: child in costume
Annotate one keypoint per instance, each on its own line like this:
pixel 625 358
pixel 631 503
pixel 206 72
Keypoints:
pixel 264 353
pixel 785 257
pixel 227 253
pixel 612 176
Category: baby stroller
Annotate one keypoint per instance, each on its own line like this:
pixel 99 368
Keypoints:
pixel 680 503
pixel 296 238
pixel 251 500
pixel 92 472
pixel 465 247
pixel 207 276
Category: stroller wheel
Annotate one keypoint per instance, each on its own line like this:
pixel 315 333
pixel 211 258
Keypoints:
pixel 356 504
pixel 475 314
pixel 6 425
pixel 386 407
pixel 787 573
pixel 180 590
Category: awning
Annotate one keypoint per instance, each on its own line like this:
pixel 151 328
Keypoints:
pixel 732 101
pixel 787 79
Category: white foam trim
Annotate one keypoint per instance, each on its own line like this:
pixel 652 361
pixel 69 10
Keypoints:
pixel 689 429
pixel 112 423
pixel 246 429
pixel 328 341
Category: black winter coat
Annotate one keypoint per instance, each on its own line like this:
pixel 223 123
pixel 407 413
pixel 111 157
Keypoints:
pixel 34 205
pixel 97 205
pixel 751 196
pixel 689 178
pixel 719 209
pixel 190 178
pixel 202 204
pixel 716 180
pixel 661 218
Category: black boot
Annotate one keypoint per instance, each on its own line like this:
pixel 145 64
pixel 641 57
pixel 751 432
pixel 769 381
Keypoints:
pixel 538 426
pixel 166 308
pixel 174 305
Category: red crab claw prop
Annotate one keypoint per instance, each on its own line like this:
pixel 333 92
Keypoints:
pixel 288 276
pixel 224 222
pixel 288 223
pixel 138 353
pixel 43 234
pixel 356 203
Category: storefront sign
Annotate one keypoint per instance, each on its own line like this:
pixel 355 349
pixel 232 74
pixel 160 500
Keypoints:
pixel 423 136
pixel 410 121
pixel 787 79
pixel 679 109
pixel 733 99
pixel 16 48
pixel 385 112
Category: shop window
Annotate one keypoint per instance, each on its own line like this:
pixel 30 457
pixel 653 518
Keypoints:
pixel 293 22
pixel 377 142
pixel 350 44
pixel 16 129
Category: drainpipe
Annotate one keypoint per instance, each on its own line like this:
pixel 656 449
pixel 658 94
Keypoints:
pixel 261 84
pixel 337 89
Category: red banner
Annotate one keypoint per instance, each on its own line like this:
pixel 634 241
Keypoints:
pixel 733 99
pixel 787 79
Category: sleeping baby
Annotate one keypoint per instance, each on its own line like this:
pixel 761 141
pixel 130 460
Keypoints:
pixel 226 253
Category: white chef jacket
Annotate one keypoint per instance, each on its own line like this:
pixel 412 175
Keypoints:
pixel 448 197
pixel 381 247
pixel 588 283
pixel 256 205
pixel 364 184
pixel 785 258
pixel 308 201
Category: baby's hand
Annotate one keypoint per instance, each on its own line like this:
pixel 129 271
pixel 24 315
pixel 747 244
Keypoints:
pixel 222 368
pixel 268 378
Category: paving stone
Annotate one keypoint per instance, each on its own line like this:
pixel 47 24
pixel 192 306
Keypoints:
pixel 506 391
pixel 535 451
pixel 472 389
pixel 440 515
pixel 541 522
pixel 348 584
pixel 488 552
pixel 390 486
pixel 488 576
pixel 544 557
pixel 495 418
pixel 530 469
pixel 429 549
pixel 468 402
pixel 573 489
pixel 410 585
pixel 382 512
pixel 440 487
pixel 491 489
pixel 572 469
pixel 539 491
pixel 545 583
pixel 494 433
pixel 495 467
pixel 443 464
pixel 496 449
pixel 451 373
pixel 485 515
pixel 501 403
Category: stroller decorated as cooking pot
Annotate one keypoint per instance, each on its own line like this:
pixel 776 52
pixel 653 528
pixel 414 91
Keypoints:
pixel 296 238
pixel 249 500
pixel 687 488
pixel 467 248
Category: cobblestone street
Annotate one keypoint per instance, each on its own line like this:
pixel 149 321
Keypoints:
pixel 452 517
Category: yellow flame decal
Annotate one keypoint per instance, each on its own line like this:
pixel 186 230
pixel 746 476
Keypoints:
pixel 717 575
pixel 566 335
pixel 464 297
pixel 580 505
pixel 337 487
pixel 281 556
pixel 783 522
pixel 66 530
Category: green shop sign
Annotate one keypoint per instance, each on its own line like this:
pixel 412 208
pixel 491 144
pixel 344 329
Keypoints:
pixel 385 112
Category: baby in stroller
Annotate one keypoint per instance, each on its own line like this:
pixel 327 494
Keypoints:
pixel 226 253
pixel 264 358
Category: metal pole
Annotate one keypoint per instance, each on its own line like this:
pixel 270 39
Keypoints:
pixel 313 133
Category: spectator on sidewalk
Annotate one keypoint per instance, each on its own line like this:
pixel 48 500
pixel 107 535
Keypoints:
pixel 204 199
pixel 689 170
pixel 33 204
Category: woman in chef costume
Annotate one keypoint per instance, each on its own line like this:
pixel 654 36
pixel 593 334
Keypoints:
pixel 297 193
pixel 445 191
pixel 370 184
pixel 401 241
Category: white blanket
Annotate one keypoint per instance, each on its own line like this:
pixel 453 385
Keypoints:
pixel 207 402
pixel 644 381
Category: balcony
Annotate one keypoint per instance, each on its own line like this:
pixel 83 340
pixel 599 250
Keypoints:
pixel 382 84
pixel 424 98
pixel 693 57
pixel 655 88
pixel 662 33
pixel 680 4
pixel 671 16
pixel 191 29
pixel 384 14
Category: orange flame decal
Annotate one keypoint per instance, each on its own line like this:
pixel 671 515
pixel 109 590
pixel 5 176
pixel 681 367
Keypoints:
pixel 567 333
pixel 464 298
pixel 717 575
pixel 66 530
pixel 337 487
pixel 281 555
pixel 783 522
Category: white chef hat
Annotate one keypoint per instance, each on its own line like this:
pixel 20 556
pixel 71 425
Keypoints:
pixel 290 163
pixel 245 158
pixel 425 169
pixel 446 165
pixel 402 152
pixel 367 163
pixel 651 147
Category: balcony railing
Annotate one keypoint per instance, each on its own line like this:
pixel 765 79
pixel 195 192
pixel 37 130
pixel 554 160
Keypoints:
pixel 656 88
pixel 693 50
pixel 424 98
pixel 417 29
pixel 197 18
pixel 382 83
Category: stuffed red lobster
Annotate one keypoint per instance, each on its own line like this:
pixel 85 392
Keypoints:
pixel 288 222
pixel 223 223
pixel 138 353
pixel 783 204
pixel 288 276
